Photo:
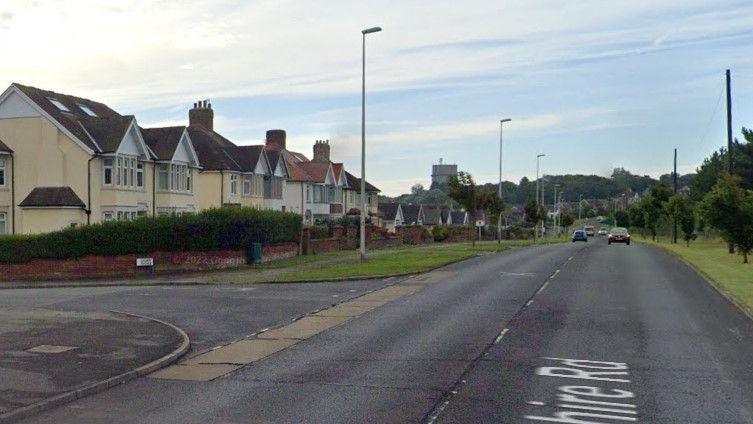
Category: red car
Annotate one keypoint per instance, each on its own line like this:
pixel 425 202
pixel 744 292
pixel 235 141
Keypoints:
pixel 619 235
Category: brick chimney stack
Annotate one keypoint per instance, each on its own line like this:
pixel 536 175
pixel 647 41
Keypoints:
pixel 201 115
pixel 321 151
pixel 276 138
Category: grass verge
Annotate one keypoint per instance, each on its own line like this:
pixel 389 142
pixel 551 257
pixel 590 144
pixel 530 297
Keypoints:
pixel 381 263
pixel 710 258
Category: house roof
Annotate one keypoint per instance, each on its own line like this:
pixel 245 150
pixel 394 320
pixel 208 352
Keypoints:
pixel 163 141
pixel 248 156
pixel 445 213
pixel 295 171
pixel 104 128
pixel 458 217
pixel 273 156
pixel 215 152
pixel 389 210
pixel 317 170
pixel 52 197
pixel 410 213
pixel 355 184
pixel 431 214
pixel 4 148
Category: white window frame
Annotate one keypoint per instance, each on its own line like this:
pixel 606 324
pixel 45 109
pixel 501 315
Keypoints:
pixel 163 177
pixel 248 182
pixel 233 184
pixel 2 172
pixel 105 168
pixel 140 175
pixel 3 223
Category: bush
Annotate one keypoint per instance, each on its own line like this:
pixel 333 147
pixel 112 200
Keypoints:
pixel 226 228
pixel 321 231
pixel 440 233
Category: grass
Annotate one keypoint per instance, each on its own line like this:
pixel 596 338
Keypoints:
pixel 347 264
pixel 710 257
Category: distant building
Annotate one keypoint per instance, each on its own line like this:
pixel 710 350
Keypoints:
pixel 441 173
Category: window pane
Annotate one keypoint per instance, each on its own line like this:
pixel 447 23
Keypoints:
pixel 2 177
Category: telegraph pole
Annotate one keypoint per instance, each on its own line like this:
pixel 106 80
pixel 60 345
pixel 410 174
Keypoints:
pixel 674 178
pixel 730 246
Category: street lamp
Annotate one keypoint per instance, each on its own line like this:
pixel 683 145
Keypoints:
pixel 363 140
pixel 538 157
pixel 499 220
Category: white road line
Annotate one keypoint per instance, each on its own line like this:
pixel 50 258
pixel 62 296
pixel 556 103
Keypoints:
pixel 501 334
pixel 542 287
pixel 529 303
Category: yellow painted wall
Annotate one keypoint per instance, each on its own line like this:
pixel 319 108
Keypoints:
pixel 44 157
pixel 45 220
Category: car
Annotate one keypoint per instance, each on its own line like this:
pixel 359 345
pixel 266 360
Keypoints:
pixel 579 235
pixel 619 235
pixel 590 230
pixel 602 231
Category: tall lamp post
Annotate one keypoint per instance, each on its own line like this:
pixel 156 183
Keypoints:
pixel 499 219
pixel 538 157
pixel 363 141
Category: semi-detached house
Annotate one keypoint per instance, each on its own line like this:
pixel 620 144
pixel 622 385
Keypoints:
pixel 69 161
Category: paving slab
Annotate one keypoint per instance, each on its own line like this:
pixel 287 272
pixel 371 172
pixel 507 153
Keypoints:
pixel 194 372
pixel 242 352
pixel 303 328
pixel 347 310
pixel 389 293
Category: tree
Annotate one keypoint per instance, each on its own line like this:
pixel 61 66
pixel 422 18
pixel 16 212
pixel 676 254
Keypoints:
pixel 729 208
pixel 636 217
pixel 653 207
pixel 462 189
pixel 621 218
pixel 567 219
pixel 679 210
pixel 488 200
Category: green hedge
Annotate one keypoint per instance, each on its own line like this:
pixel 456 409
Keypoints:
pixel 226 228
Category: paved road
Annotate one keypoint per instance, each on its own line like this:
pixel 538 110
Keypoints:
pixel 562 333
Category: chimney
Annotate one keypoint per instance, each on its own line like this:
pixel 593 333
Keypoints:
pixel 321 151
pixel 276 138
pixel 201 115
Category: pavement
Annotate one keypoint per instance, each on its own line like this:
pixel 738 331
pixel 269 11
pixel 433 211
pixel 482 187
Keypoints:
pixel 46 352
pixel 575 333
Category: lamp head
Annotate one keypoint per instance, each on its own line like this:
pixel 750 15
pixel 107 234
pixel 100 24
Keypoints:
pixel 370 30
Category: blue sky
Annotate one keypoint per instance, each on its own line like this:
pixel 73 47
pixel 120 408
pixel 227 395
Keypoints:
pixel 592 84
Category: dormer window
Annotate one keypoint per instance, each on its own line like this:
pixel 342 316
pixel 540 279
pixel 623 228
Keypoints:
pixel 58 105
pixel 86 110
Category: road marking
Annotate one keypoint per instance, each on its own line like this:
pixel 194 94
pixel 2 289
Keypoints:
pixel 586 404
pixel 541 289
pixel 517 274
pixel 501 334
pixel 529 303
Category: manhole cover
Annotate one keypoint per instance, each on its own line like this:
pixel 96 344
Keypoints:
pixel 50 349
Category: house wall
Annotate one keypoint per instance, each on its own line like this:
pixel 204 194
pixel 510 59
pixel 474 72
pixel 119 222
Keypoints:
pixel 44 157
pixel 44 220
pixel 208 190
pixel 293 195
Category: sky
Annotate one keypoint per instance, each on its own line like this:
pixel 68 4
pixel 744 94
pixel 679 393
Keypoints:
pixel 592 84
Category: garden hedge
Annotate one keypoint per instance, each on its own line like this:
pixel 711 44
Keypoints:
pixel 212 229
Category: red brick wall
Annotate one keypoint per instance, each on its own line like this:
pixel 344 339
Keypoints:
pixel 324 245
pixel 125 265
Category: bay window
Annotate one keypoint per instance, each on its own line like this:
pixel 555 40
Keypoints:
pixel 174 177
pixel 140 175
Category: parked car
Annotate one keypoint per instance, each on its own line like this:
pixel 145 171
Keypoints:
pixel 579 235
pixel 603 231
pixel 590 230
pixel 619 235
